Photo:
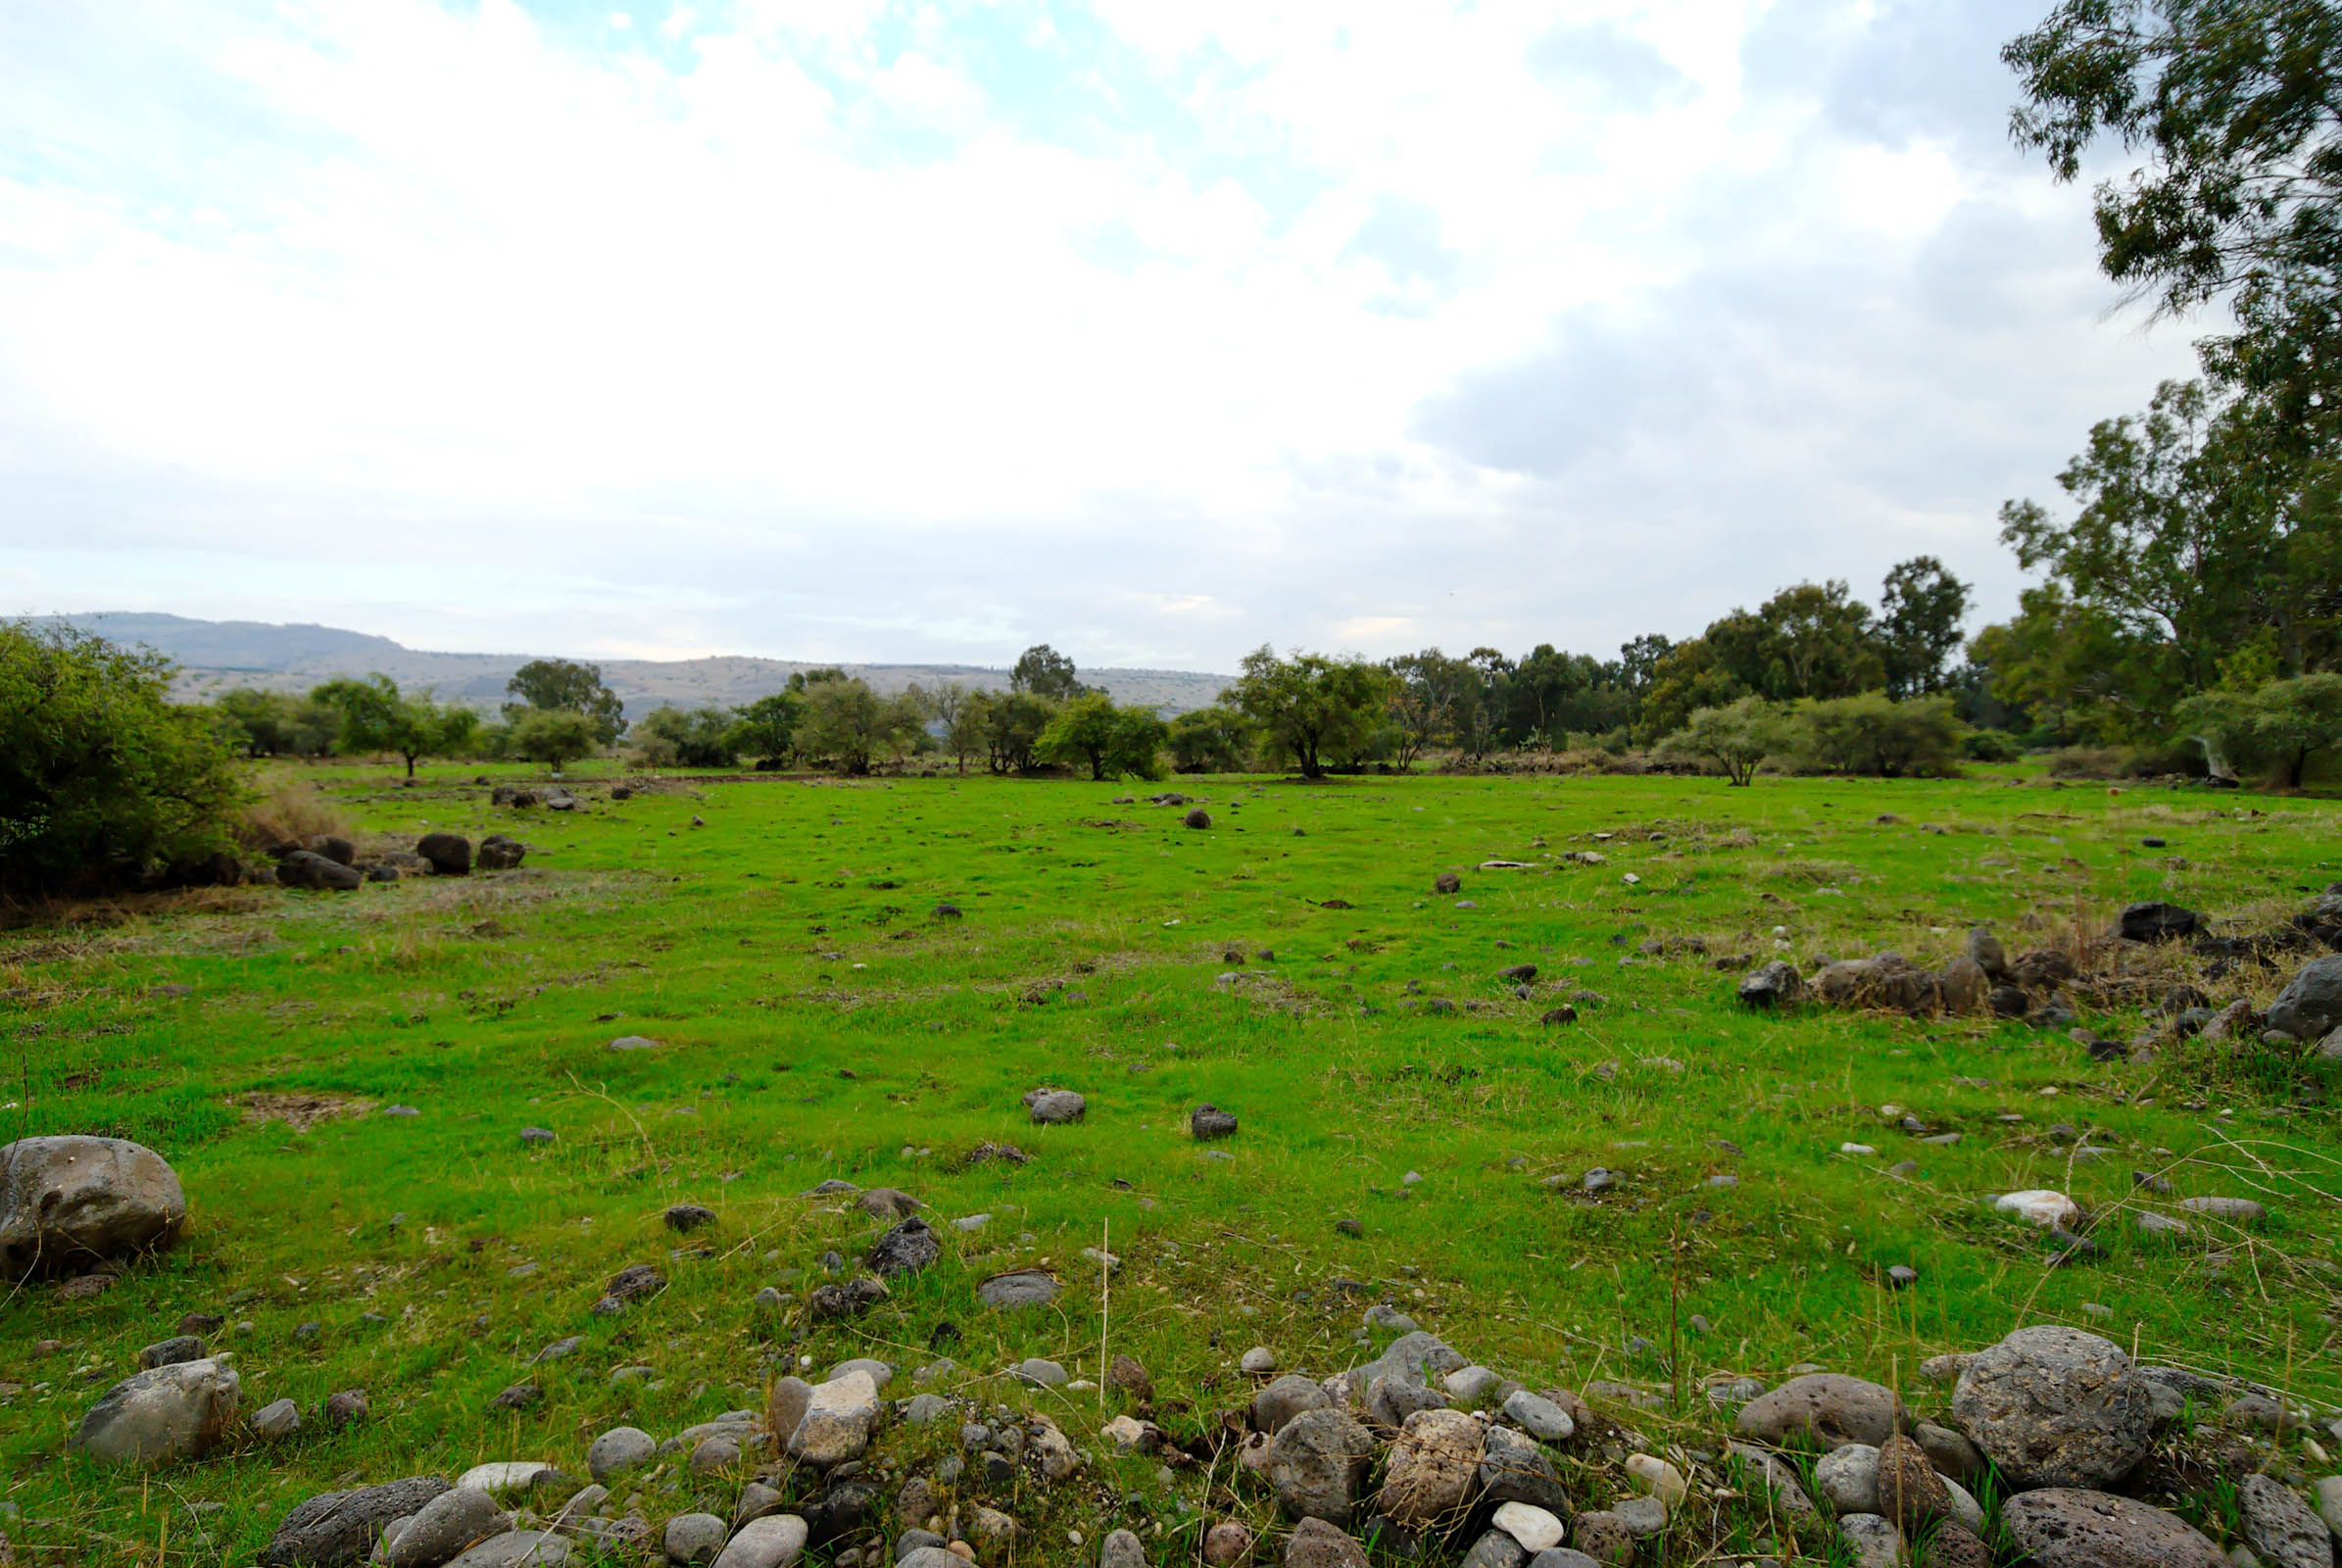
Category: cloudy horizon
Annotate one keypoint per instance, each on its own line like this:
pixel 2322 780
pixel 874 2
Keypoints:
pixel 865 331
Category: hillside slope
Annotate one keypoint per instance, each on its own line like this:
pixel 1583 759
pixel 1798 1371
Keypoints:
pixel 216 656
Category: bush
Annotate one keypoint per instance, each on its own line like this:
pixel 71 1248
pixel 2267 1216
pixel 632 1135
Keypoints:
pixel 103 781
pixel 552 736
pixel 674 736
pixel 1993 745
pixel 1736 737
pixel 1873 734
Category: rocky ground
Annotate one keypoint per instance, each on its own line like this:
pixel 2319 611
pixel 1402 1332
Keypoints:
pixel 934 1358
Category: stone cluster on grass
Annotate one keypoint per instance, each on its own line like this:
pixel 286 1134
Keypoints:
pixel 2046 987
pixel 1416 1452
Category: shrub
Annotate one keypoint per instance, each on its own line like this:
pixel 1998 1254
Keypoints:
pixel 103 781
pixel 552 736
pixel 675 737
pixel 1993 745
pixel 1873 734
pixel 1736 737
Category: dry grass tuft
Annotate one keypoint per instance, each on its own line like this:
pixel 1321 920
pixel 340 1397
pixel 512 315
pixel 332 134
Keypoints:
pixel 289 811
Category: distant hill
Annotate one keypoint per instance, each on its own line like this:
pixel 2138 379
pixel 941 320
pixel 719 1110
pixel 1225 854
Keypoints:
pixel 216 656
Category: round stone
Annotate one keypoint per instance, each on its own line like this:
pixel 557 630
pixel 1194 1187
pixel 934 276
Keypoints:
pixel 2053 1406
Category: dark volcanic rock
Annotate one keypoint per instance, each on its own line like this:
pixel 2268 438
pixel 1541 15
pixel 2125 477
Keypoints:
pixel 906 1249
pixel 2065 1527
pixel 1210 1121
pixel 340 1527
pixel 2158 922
pixel 450 853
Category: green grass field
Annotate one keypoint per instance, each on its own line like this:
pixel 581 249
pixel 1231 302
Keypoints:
pixel 815 1018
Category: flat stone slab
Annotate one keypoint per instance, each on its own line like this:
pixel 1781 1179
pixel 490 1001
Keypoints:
pixel 1024 1288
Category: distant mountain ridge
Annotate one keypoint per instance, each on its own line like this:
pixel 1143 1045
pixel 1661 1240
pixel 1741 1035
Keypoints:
pixel 216 656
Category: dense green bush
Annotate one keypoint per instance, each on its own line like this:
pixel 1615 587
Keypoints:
pixel 1873 734
pixel 1993 745
pixel 552 736
pixel 103 781
pixel 696 737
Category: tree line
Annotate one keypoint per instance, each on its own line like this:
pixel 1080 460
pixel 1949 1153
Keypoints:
pixel 2190 586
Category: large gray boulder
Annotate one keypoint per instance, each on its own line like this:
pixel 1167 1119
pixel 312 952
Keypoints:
pixel 334 1528
pixel 178 1411
pixel 2310 1007
pixel 1317 1461
pixel 306 868
pixel 2065 1527
pixel 2053 1406
pixel 1828 1409
pixel 68 1202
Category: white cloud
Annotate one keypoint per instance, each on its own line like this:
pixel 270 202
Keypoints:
pixel 650 336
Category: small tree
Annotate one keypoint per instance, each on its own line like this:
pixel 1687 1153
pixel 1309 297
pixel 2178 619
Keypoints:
pixel 376 718
pixel 553 736
pixel 1737 737
pixel 1311 705
pixel 1081 732
pixel 1048 674
pixel 967 723
pixel 566 686
pixel 102 778
pixel 699 736
pixel 854 726
pixel 1211 740
pixel 1014 726
pixel 1873 734
pixel 767 728
pixel 1113 741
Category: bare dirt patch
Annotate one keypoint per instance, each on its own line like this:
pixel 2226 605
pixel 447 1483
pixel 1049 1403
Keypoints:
pixel 300 1112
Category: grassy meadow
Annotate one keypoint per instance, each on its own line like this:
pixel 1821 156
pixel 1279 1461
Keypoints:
pixel 816 1018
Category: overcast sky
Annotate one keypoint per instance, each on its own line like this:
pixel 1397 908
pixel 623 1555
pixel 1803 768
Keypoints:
pixel 1151 328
